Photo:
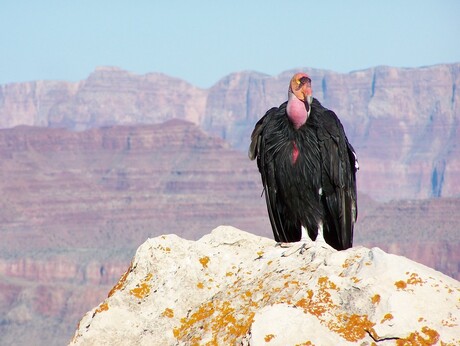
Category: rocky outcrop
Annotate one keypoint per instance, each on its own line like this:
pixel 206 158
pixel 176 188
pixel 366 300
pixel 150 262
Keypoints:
pixel 402 122
pixel 231 287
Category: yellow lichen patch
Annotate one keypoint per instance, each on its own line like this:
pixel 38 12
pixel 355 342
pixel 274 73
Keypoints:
pixel 168 249
pixel 348 262
pixel 448 324
pixel 260 253
pixel 203 312
pixel 306 343
pixel 355 279
pixel 220 319
pixel 302 303
pixel 200 285
pixel 204 261
pixel 376 299
pixel 400 284
pixel 387 317
pixel 121 283
pixel 229 274
pixel 292 283
pixel 142 291
pixel 416 339
pixel 168 313
pixel 103 307
pixel 321 302
pixel 352 327
pixel 269 262
pixel 324 282
pixel 269 337
pixel 415 279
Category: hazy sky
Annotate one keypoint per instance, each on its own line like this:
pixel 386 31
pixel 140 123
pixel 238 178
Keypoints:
pixel 203 40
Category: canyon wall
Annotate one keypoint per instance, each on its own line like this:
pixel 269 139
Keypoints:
pixel 402 122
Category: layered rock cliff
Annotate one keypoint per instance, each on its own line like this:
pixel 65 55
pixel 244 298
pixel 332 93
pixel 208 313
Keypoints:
pixel 231 287
pixel 115 186
pixel 402 122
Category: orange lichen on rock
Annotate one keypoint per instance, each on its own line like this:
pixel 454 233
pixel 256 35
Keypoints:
pixel 350 261
pixel 103 307
pixel 415 279
pixel 218 318
pixel 204 261
pixel 321 302
pixel 168 313
pixel 294 283
pixel 302 303
pixel 400 284
pixel 376 299
pixel 387 317
pixel 448 324
pixel 416 339
pixel 200 285
pixel 306 343
pixel 269 337
pixel 352 327
pixel 121 283
pixel 248 293
pixel 141 291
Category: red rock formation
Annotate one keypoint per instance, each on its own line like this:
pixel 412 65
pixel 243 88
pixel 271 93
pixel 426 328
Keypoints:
pixel 402 122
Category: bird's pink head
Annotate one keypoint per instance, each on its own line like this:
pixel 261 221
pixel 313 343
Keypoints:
pixel 299 99
pixel 300 86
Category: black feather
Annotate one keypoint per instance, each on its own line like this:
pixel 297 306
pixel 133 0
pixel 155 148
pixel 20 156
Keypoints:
pixel 326 162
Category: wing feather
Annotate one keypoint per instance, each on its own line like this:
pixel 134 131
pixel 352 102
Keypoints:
pixel 338 182
pixel 264 151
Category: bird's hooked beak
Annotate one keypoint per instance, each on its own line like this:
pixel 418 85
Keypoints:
pixel 300 86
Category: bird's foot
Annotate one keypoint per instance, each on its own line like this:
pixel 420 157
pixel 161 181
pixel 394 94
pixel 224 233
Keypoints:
pixel 303 246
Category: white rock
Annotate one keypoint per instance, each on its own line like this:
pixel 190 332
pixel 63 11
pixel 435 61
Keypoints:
pixel 231 287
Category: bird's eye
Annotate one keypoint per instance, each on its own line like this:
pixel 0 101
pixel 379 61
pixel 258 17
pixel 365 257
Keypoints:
pixel 305 80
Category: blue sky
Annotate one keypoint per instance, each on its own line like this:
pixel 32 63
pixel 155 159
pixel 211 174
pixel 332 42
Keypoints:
pixel 201 41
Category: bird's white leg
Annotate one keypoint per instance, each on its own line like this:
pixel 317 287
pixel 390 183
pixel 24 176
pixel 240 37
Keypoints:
pixel 306 243
pixel 300 246
pixel 320 238
pixel 304 238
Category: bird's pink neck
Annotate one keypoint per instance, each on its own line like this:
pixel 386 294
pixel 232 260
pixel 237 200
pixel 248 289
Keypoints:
pixel 296 111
